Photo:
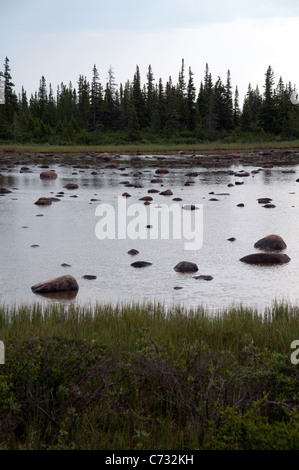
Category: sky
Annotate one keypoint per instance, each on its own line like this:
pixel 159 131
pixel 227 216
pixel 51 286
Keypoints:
pixel 62 39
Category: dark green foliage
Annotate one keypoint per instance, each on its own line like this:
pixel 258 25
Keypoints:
pixel 134 377
pixel 93 113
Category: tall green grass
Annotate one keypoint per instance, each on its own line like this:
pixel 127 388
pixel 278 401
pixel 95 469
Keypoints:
pixel 151 148
pixel 143 376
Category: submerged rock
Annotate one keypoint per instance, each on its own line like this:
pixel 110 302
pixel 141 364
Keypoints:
pixel 266 258
pixel 167 192
pixel 141 264
pixel 48 175
pixel 204 277
pixel 133 252
pixel 58 284
pixel 44 201
pixel 4 191
pixel 71 186
pixel 185 266
pixel 270 243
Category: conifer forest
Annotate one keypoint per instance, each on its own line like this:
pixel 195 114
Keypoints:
pixel 92 112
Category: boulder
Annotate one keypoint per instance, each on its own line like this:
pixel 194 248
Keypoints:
pixel 185 266
pixel 48 175
pixel 204 277
pixel 71 186
pixel 4 191
pixel 133 252
pixel 141 264
pixel 167 192
pixel 266 258
pixel 58 284
pixel 146 198
pixel 44 201
pixel 190 207
pixel 271 243
pixel 264 200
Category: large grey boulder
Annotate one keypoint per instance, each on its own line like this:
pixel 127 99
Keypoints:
pixel 266 258
pixel 58 284
pixel 271 243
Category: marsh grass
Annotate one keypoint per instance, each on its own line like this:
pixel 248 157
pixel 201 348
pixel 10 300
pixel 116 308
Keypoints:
pixel 141 376
pixel 148 148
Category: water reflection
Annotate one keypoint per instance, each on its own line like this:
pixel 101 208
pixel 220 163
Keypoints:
pixel 66 233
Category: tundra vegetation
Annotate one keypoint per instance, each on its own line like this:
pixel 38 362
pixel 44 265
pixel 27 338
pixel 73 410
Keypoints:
pixel 142 376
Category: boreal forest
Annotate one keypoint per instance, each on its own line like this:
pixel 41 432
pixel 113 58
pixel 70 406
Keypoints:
pixel 100 113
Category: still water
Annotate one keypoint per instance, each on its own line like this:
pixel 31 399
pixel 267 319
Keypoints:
pixel 65 233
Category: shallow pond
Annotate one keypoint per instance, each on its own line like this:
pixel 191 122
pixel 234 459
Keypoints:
pixel 64 232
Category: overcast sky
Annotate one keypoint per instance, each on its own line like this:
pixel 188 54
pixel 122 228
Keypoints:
pixel 61 39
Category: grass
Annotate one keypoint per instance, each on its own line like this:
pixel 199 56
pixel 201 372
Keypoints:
pixel 163 148
pixel 142 377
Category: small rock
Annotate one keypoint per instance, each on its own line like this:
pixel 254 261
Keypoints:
pixel 204 277
pixel 141 264
pixel 43 201
pixel 71 186
pixel 167 192
pixel 89 277
pixel 48 175
pixel 186 266
pixel 133 252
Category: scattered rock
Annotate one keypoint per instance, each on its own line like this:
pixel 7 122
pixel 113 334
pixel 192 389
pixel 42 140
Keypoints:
pixel 178 288
pixel 141 264
pixel 190 207
pixel 157 180
pixel 126 195
pixel 34 246
pixel 4 191
pixel 58 284
pixel 185 266
pixel 241 204
pixel 89 277
pixel 43 201
pixel 152 191
pixel 177 199
pixel 48 175
pixel 133 252
pixel 231 239
pixel 264 200
pixel 167 192
pixel 266 258
pixel 65 265
pixel 269 206
pixel 204 277
pixel 71 186
pixel 146 198
pixel 271 243
pixel 162 171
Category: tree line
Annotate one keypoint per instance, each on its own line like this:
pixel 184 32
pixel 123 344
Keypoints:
pixel 153 112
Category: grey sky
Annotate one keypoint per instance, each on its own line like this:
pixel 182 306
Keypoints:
pixel 61 39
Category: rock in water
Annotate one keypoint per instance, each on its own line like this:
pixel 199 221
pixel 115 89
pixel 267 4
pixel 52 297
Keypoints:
pixel 48 175
pixel 266 258
pixel 185 266
pixel 58 284
pixel 271 243
pixel 141 264
pixel 44 201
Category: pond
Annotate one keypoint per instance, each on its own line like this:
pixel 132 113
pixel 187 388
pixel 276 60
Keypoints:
pixel 37 240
